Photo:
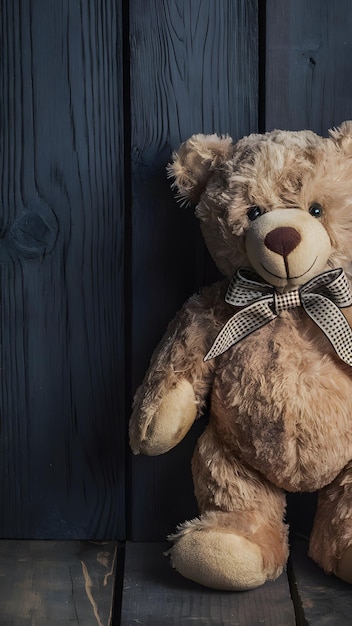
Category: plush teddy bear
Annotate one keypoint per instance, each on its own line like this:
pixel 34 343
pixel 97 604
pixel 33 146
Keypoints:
pixel 270 347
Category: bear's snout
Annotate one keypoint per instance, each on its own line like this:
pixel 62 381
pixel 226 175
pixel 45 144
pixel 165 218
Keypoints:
pixel 287 247
pixel 282 240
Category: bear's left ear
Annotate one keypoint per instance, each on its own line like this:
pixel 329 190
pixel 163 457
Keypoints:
pixel 194 163
pixel 342 136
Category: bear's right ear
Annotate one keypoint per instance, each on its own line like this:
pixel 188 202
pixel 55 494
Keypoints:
pixel 342 136
pixel 195 161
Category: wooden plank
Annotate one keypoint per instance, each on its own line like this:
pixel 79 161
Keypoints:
pixel 320 599
pixel 155 594
pixel 62 447
pixel 193 69
pixel 51 582
pixel 308 62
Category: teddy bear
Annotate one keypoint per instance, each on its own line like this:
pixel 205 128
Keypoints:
pixel 267 350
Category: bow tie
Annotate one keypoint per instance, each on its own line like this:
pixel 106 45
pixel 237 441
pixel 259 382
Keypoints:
pixel 321 298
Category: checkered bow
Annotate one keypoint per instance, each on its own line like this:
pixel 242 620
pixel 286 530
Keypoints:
pixel 322 297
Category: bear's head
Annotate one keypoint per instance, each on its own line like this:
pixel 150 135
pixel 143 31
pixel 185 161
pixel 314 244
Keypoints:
pixel 279 202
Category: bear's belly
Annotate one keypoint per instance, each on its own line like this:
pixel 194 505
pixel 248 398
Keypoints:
pixel 285 409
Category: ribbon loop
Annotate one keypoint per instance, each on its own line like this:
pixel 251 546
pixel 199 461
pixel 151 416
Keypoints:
pixel 322 298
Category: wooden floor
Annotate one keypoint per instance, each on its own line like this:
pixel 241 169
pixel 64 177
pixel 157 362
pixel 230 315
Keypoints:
pixel 51 583
pixel 158 596
pixel 155 595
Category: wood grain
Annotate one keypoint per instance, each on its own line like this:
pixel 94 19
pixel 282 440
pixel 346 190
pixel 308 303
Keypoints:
pixel 193 69
pixel 156 595
pixel 50 582
pixel 308 64
pixel 62 442
pixel 320 599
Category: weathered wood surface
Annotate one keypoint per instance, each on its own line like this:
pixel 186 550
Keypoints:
pixel 193 69
pixel 62 445
pixel 308 64
pixel 320 599
pixel 51 583
pixel 154 594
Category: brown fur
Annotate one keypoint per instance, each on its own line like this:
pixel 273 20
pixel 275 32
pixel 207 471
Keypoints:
pixel 281 399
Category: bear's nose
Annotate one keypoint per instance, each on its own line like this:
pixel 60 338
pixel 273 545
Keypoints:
pixel 282 240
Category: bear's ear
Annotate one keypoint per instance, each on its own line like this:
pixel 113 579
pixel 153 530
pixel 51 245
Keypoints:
pixel 195 161
pixel 342 136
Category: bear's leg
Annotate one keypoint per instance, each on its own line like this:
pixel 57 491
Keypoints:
pixel 239 541
pixel 331 537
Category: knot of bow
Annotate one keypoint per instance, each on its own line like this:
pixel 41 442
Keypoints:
pixel 322 297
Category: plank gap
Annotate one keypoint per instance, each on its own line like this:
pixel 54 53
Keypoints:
pixel 319 598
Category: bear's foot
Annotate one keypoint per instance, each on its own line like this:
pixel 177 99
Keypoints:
pixel 344 566
pixel 220 558
pixel 331 538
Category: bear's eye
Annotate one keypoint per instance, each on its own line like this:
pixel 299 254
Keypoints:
pixel 254 212
pixel 316 210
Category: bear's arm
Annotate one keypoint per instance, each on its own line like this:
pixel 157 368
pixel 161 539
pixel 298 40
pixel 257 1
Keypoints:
pixel 178 380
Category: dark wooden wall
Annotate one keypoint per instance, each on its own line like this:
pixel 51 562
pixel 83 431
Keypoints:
pixel 308 64
pixel 62 445
pixel 95 254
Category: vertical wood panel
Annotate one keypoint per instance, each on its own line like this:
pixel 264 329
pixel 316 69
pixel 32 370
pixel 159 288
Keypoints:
pixel 61 249
pixel 193 69
pixel 309 64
